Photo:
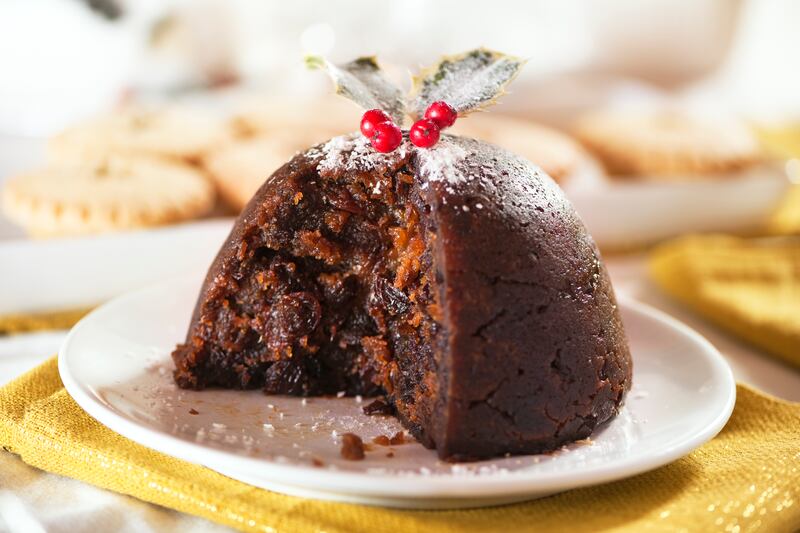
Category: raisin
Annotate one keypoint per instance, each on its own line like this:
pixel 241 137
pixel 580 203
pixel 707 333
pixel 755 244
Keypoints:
pixel 286 377
pixel 338 291
pixel 292 316
pixel 343 200
pixel 392 299
pixel 281 276
pixel 378 407
pixel 357 325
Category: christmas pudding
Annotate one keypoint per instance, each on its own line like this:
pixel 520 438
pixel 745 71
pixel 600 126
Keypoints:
pixel 445 274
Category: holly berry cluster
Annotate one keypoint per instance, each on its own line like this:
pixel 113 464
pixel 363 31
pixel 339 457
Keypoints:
pixel 385 136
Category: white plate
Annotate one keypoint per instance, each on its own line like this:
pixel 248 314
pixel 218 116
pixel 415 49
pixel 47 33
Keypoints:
pixel 637 212
pixel 116 365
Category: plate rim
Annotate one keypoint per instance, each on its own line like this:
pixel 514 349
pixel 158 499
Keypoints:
pixel 405 486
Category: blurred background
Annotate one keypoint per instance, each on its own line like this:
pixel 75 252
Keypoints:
pixel 132 132
pixel 67 61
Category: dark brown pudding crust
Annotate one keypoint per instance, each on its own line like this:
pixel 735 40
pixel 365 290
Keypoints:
pixel 456 281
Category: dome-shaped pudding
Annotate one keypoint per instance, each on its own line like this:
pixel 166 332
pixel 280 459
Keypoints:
pixel 457 281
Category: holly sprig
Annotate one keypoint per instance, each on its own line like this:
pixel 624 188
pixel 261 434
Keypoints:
pixel 457 85
pixel 467 82
pixel 363 82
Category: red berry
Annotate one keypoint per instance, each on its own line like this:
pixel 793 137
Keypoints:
pixel 386 137
pixel 442 114
pixel 372 118
pixel 424 133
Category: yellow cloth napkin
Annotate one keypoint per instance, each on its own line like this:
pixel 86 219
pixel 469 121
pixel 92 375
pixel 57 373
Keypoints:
pixel 24 322
pixel 786 219
pixel 748 286
pixel 782 142
pixel 745 480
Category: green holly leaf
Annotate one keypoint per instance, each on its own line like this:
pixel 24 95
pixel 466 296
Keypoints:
pixel 467 82
pixel 363 82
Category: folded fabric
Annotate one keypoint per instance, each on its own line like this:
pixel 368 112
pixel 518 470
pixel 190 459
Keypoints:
pixel 25 322
pixel 751 287
pixel 786 219
pixel 746 479
pixel 783 144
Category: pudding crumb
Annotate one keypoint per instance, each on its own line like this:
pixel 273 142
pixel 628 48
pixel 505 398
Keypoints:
pixel 352 447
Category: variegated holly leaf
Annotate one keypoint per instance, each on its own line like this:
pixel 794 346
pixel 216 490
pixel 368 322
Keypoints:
pixel 363 82
pixel 467 82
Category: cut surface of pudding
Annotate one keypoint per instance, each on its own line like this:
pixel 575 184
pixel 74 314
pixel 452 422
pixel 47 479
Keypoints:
pixel 455 281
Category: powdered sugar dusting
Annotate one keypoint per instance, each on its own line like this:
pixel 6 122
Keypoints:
pixel 354 152
pixel 443 162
